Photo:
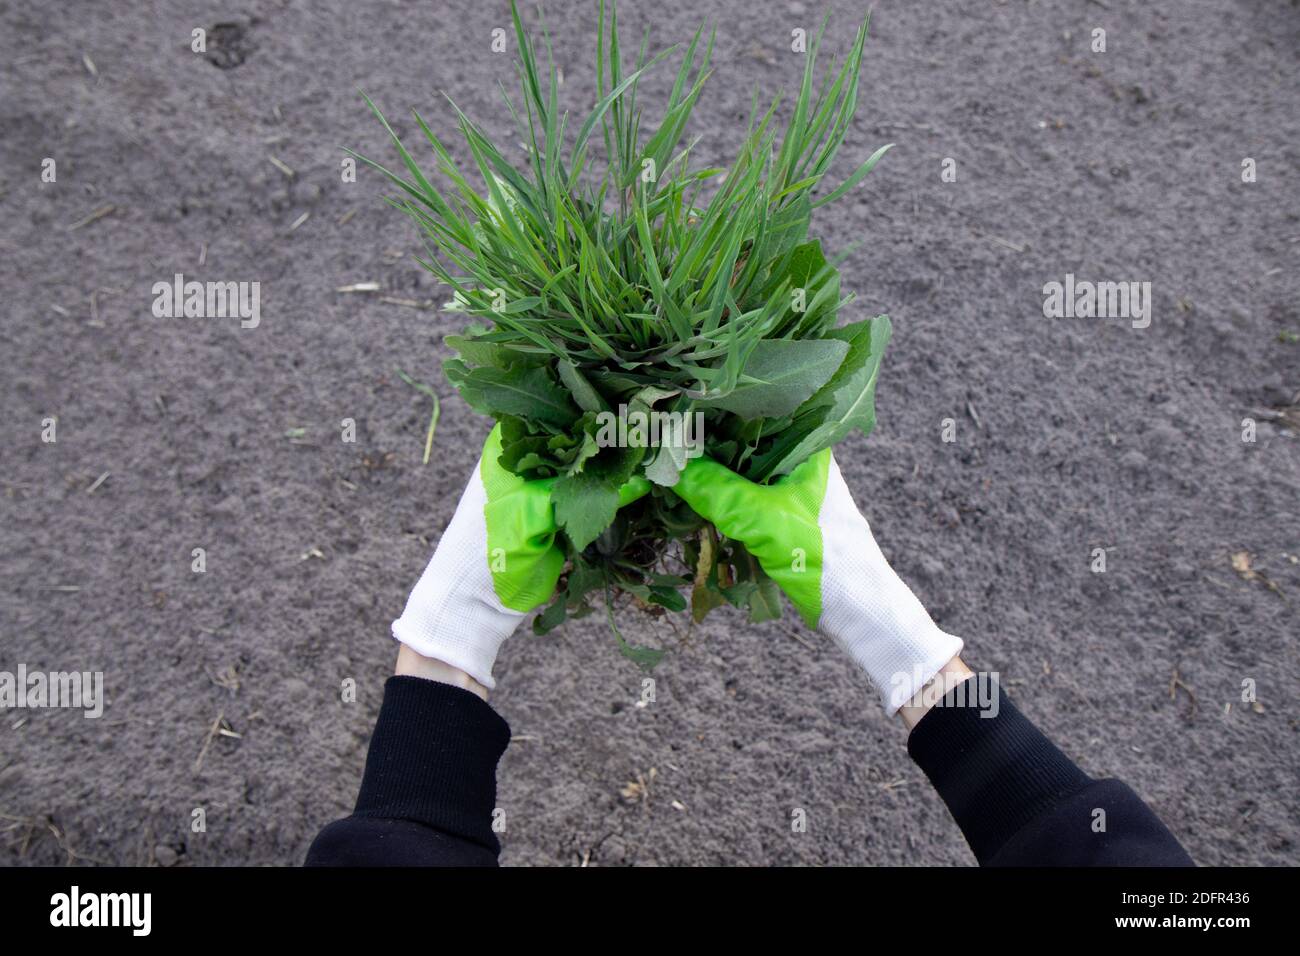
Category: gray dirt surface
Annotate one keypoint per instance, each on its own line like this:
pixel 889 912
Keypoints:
pixel 1071 434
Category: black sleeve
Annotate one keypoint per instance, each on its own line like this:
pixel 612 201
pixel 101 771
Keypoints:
pixel 1019 801
pixel 429 787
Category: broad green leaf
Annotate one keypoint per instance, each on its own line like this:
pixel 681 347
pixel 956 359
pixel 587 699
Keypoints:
pixel 584 393
pixel 851 390
pixel 806 262
pixel 585 505
pixel 780 375
pixel 586 502
pixel 844 403
pixel 527 392
pixel 668 597
pixel 475 351
pixel 551 618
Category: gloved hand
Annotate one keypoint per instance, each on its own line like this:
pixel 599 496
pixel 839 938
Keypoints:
pixel 811 539
pixel 497 561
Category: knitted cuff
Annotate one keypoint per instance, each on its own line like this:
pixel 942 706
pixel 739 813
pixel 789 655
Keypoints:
pixel 994 769
pixel 433 759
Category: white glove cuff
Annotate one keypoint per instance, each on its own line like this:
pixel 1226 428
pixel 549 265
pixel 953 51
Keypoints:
pixel 869 611
pixel 453 614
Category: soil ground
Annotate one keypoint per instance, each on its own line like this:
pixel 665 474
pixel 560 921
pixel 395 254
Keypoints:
pixel 1070 434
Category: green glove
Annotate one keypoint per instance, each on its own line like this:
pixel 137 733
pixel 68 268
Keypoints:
pixel 497 560
pixel 811 539
pixel 776 523
pixel 522 555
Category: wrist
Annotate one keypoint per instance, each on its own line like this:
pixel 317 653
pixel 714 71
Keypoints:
pixel 410 663
pixel 948 677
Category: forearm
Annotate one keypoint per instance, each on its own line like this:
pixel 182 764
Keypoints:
pixel 1018 800
pixel 429 787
